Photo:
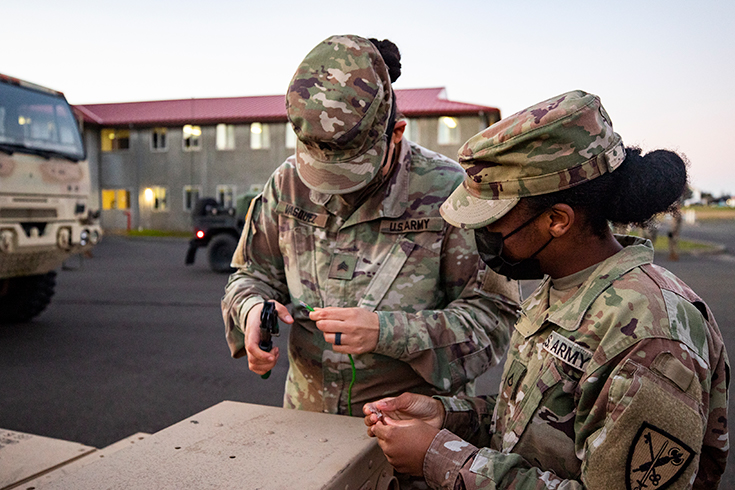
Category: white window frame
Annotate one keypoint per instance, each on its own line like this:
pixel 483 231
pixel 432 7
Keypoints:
pixel 160 131
pixel 225 195
pixel 225 137
pixel 446 134
pixel 196 193
pixel 192 133
pixel 260 138
pixel 159 204
pixel 412 130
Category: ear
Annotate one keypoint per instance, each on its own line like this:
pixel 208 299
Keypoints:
pixel 562 218
pixel 398 131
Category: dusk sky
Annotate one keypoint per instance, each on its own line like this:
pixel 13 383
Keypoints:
pixel 663 69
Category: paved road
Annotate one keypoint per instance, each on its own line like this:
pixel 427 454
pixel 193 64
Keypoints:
pixel 133 341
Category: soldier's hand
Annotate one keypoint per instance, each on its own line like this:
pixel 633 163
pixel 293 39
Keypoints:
pixel 259 361
pixel 405 443
pixel 358 328
pixel 408 406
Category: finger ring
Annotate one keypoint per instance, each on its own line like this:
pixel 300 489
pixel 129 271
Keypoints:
pixel 338 338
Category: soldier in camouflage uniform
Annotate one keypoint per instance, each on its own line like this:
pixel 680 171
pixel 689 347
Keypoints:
pixel 617 375
pixel 350 225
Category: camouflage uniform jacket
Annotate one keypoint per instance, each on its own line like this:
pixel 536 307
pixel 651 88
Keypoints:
pixel 443 319
pixel 622 384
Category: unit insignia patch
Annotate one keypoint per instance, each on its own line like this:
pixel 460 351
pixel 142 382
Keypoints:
pixel 655 459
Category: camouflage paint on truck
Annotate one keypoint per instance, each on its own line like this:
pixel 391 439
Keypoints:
pixel 44 192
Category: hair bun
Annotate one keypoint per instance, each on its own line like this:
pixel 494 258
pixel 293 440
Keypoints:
pixel 391 55
pixel 647 185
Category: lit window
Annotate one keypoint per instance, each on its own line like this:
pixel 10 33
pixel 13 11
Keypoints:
pixel 115 199
pixel 225 137
pixel 159 141
pixel 259 136
pixel 191 195
pixel 191 137
pixel 412 130
pixel 155 197
pixel 448 131
pixel 115 139
pixel 226 195
pixel 290 137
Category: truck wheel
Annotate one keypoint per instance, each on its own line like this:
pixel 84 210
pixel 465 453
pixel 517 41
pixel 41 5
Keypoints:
pixel 22 298
pixel 220 252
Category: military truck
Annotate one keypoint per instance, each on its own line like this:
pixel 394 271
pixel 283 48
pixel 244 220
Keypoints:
pixel 218 227
pixel 44 192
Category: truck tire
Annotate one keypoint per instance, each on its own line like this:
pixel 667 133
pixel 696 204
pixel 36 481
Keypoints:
pixel 220 251
pixel 22 298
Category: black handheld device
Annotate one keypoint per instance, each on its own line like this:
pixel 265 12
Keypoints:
pixel 268 328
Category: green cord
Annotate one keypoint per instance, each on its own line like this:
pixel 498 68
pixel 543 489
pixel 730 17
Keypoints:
pixel 354 371
pixel 349 391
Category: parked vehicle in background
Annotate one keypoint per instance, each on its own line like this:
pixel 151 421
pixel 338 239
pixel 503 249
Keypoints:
pixel 218 228
pixel 44 192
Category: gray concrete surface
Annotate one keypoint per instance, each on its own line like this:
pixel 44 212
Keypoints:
pixel 133 342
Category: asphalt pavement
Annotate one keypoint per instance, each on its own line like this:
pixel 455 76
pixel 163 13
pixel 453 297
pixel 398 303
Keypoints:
pixel 133 341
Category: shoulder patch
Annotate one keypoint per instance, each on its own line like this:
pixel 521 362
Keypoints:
pixel 567 350
pixel 655 458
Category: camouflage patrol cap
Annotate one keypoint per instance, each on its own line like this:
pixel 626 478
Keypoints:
pixel 339 103
pixel 551 146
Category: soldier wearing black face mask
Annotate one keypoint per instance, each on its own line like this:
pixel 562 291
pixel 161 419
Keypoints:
pixel 617 375
pixel 490 248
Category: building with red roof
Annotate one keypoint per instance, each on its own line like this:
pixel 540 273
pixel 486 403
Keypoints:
pixel 153 159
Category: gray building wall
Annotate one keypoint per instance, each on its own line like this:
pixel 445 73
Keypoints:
pixel 140 167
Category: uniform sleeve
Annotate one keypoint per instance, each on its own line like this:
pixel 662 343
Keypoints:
pixel 259 275
pixel 640 423
pixel 455 344
pixel 469 418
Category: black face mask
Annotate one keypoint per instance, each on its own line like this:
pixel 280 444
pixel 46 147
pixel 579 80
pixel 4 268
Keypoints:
pixel 490 248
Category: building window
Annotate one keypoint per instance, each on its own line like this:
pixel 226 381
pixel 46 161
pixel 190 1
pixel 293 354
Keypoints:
pixel 191 137
pixel 290 137
pixel 259 136
pixel 155 197
pixel 191 195
pixel 115 199
pixel 115 139
pixel 226 195
pixel 225 137
pixel 412 130
pixel 448 131
pixel 159 141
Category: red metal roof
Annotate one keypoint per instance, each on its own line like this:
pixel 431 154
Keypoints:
pixel 265 108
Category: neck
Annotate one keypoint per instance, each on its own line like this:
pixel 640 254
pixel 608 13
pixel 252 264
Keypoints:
pixel 576 254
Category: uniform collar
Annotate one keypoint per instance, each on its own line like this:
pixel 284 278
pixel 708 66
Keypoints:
pixel 389 201
pixel 569 315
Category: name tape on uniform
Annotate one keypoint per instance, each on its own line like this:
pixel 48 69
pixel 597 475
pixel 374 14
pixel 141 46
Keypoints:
pixel 408 225
pixel 567 350
pixel 299 214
